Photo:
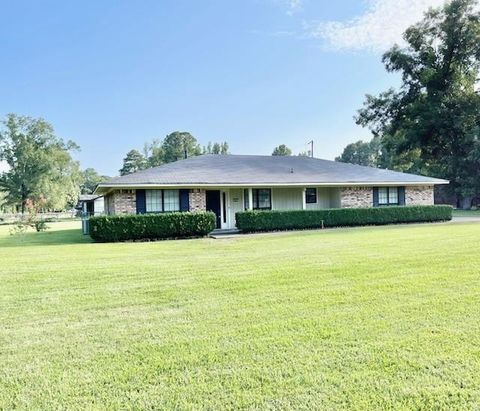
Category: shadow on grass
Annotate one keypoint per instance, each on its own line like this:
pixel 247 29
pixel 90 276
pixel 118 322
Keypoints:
pixel 57 237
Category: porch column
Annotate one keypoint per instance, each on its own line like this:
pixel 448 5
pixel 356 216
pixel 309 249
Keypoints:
pixel 304 199
pixel 250 199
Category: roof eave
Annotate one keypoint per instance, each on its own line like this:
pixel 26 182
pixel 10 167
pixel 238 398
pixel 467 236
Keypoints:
pixel 104 188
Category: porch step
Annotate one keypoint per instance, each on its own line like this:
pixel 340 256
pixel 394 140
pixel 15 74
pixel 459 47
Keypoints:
pixel 218 233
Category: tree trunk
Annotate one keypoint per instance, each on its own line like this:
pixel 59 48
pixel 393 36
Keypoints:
pixel 24 199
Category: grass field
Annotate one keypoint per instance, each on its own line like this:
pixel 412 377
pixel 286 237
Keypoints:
pixel 466 213
pixel 379 318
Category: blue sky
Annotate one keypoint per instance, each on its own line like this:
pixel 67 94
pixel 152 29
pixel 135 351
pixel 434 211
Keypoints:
pixel 112 75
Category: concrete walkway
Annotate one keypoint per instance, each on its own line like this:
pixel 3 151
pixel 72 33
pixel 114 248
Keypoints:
pixel 467 219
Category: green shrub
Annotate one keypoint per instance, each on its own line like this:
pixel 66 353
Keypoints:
pixel 251 221
pixel 151 226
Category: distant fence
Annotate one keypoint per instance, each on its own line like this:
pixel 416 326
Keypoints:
pixel 64 215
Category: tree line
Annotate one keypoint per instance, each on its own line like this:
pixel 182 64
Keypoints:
pixel 431 123
pixel 42 174
pixel 40 168
pixel 175 146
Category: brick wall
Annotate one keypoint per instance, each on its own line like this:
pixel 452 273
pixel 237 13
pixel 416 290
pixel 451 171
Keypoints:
pixel 356 197
pixel 197 200
pixel 121 202
pixel 422 195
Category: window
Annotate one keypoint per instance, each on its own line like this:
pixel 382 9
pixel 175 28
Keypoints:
pixel 171 200
pixel 158 201
pixel 262 199
pixel 153 199
pixel 388 196
pixel 311 195
pixel 245 199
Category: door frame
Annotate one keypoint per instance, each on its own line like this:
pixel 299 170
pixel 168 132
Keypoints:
pixel 218 217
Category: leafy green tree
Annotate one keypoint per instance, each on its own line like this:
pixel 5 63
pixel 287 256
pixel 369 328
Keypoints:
pixel 434 117
pixel 361 152
pixel 178 145
pixel 216 148
pixel 39 163
pixel 154 153
pixel 281 150
pixel 90 179
pixel 133 161
pixel 175 146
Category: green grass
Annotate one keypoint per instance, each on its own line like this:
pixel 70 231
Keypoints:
pixel 466 213
pixel 377 318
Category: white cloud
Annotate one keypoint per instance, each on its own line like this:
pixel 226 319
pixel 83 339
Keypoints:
pixel 381 26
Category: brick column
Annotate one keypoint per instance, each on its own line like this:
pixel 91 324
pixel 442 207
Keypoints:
pixel 121 202
pixel 361 197
pixel 419 195
pixel 197 200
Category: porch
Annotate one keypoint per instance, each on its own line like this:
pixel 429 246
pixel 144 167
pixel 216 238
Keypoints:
pixel 225 202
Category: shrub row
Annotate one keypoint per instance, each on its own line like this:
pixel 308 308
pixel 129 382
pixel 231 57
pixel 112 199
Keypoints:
pixel 129 227
pixel 251 221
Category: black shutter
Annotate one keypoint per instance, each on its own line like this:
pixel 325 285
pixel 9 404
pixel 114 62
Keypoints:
pixel 401 195
pixel 184 201
pixel 141 202
pixel 375 196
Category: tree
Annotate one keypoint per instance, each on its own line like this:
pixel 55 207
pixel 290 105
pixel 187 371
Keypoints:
pixel 361 153
pixel 133 161
pixel 175 146
pixel 154 153
pixel 90 179
pixel 281 150
pixel 216 148
pixel 39 163
pixel 178 145
pixel 434 117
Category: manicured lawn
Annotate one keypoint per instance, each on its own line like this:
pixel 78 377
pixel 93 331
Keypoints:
pixel 382 318
pixel 466 213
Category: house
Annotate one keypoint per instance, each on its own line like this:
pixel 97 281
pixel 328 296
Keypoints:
pixel 226 184
pixel 90 204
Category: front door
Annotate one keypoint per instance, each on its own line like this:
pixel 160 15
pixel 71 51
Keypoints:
pixel 213 204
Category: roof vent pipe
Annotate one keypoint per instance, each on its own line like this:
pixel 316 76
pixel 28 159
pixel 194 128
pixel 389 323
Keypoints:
pixel 291 170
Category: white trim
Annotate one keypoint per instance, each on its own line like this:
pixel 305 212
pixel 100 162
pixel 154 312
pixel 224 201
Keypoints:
pixel 263 185
pixel 304 198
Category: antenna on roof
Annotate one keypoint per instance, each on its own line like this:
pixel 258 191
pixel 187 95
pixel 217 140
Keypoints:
pixel 310 152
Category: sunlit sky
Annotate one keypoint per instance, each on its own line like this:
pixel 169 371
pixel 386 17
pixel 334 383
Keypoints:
pixel 111 75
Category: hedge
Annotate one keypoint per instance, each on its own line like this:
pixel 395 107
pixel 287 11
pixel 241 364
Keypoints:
pixel 251 221
pixel 129 227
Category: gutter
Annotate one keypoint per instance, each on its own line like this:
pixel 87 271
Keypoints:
pixel 101 186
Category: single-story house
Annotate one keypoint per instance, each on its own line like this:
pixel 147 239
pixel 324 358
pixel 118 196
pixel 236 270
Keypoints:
pixel 226 184
pixel 90 204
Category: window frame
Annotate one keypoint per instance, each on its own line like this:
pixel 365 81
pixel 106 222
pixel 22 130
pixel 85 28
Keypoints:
pixel 149 193
pixel 389 203
pixel 162 198
pixel 315 195
pixel 256 198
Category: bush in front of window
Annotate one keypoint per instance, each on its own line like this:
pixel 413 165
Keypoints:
pixel 251 221
pixel 129 227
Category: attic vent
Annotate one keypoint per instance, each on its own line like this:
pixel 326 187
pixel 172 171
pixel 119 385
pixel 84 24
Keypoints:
pixel 291 170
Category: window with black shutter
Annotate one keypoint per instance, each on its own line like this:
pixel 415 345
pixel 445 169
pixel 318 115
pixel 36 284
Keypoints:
pixel 311 195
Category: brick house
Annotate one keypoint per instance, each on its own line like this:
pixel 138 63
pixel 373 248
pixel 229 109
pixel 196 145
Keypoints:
pixel 226 184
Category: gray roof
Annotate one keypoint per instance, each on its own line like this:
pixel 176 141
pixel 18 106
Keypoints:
pixel 238 170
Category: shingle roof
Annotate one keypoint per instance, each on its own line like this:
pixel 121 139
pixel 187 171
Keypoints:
pixel 262 170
